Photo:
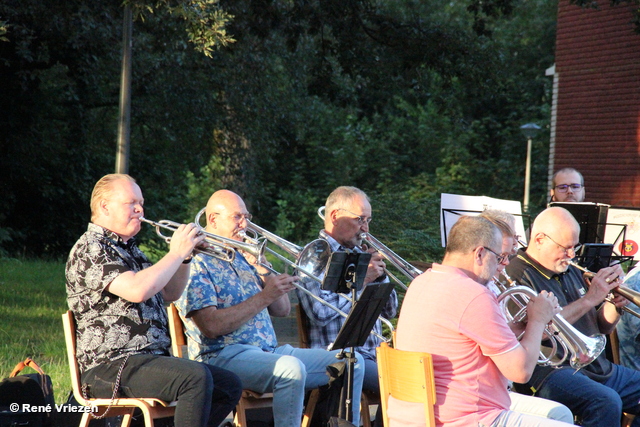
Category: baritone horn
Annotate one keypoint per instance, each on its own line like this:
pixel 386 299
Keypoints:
pixel 400 264
pixel 216 246
pixel 311 260
pixel 579 348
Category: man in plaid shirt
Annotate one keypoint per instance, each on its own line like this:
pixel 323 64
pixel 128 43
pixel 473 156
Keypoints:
pixel 347 216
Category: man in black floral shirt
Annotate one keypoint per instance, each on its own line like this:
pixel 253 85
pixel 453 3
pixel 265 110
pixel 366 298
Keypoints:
pixel 117 298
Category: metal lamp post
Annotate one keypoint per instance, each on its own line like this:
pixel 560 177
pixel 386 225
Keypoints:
pixel 530 130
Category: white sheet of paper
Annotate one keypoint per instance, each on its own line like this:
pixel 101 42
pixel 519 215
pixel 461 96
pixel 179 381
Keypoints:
pixel 626 243
pixel 453 206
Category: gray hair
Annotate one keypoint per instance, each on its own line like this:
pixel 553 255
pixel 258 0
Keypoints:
pixel 469 232
pixel 343 196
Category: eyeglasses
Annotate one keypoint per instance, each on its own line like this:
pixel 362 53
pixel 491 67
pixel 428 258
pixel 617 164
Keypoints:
pixel 237 218
pixel 574 249
pixel 361 219
pixel 563 188
pixel 501 258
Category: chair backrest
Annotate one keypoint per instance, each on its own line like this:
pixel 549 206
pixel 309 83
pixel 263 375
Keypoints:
pixel 407 376
pixel 176 331
pixel 69 326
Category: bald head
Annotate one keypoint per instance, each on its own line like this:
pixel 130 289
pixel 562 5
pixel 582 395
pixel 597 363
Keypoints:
pixel 226 214
pixel 554 234
pixel 554 220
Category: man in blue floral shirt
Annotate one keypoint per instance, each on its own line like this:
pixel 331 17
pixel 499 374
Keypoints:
pixel 226 309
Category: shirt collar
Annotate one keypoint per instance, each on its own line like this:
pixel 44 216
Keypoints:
pixel 548 274
pixel 108 234
pixel 333 243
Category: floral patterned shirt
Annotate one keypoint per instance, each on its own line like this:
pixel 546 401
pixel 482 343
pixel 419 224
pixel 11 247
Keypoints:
pixel 223 284
pixel 109 327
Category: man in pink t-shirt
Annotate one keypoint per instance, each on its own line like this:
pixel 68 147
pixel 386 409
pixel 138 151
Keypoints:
pixel 449 312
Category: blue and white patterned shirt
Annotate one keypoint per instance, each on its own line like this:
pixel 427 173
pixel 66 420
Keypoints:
pixel 628 327
pixel 222 284
pixel 325 323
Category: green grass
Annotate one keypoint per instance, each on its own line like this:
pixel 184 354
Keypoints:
pixel 32 300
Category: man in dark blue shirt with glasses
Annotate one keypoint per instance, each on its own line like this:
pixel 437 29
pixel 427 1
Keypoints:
pixel 567 185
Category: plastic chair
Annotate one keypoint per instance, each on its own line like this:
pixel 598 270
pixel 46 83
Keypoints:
pixel 407 376
pixel 248 400
pixel 151 408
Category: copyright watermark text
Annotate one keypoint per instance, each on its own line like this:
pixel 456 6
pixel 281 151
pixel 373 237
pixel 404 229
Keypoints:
pixel 26 407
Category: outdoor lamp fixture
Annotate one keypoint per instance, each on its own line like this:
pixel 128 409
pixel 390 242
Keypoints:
pixel 530 130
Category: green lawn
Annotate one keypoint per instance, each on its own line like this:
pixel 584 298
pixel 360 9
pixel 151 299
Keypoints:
pixel 32 299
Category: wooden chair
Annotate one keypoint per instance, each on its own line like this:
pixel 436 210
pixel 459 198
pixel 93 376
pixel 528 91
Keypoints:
pixel 151 408
pixel 367 398
pixel 248 400
pixel 407 376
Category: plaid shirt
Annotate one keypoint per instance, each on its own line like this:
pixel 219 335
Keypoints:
pixel 325 323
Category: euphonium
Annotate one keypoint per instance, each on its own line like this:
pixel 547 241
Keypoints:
pixel 582 349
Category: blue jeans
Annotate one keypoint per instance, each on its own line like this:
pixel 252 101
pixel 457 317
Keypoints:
pixel 287 372
pixel 596 404
pixel 205 394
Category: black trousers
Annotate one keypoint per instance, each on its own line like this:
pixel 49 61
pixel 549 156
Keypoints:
pixel 205 394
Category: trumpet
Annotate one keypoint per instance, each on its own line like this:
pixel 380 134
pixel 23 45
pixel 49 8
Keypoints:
pixel 216 246
pixel 630 294
pixel 583 350
pixel 311 260
pixel 403 266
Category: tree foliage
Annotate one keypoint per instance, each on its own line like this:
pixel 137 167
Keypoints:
pixel 404 99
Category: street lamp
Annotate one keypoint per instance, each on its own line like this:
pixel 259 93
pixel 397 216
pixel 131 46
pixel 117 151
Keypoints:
pixel 530 130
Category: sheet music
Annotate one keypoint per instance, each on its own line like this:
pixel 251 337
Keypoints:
pixel 625 242
pixel 453 206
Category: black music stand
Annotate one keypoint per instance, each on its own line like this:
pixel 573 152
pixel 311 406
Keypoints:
pixel 592 218
pixel 594 256
pixel 346 272
pixel 355 331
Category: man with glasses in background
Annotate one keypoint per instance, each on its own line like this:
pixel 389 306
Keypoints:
pixel 226 309
pixel 599 392
pixel 567 185
pixel 347 217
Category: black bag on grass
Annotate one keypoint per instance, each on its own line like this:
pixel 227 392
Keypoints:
pixel 27 399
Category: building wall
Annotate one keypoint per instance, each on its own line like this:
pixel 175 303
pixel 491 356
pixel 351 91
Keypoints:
pixel 597 129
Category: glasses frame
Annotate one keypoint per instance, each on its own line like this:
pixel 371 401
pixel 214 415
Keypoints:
pixel 361 219
pixel 501 258
pixel 246 216
pixel 575 248
pixel 563 188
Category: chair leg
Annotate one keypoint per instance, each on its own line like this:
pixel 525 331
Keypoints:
pixel 364 411
pixel 240 419
pixel 310 408
pixel 126 420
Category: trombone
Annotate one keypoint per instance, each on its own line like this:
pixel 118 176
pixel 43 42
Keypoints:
pixel 311 260
pixel 400 264
pixel 630 294
pixel 216 246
